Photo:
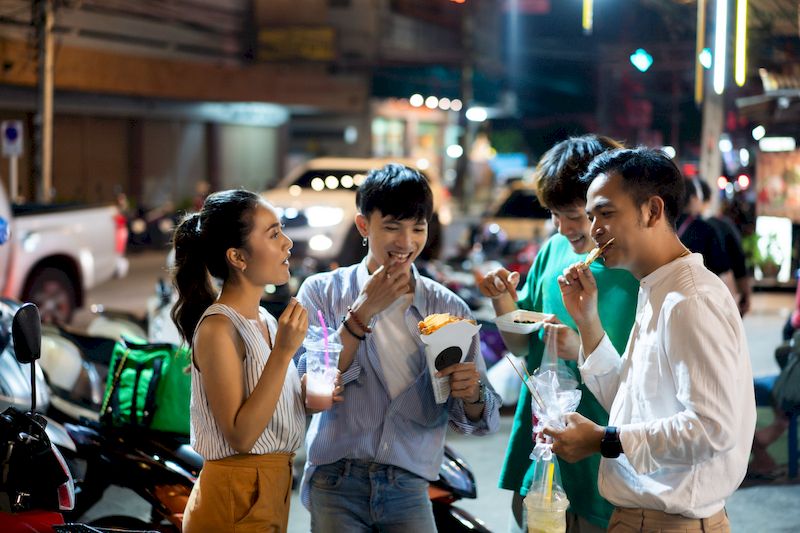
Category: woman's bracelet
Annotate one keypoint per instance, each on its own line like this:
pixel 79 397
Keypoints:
pixel 358 321
pixel 350 331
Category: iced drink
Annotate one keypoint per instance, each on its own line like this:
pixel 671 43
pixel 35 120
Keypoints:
pixel 321 373
pixel 319 389
pixel 547 516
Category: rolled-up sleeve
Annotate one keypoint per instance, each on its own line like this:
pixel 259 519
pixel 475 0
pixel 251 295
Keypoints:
pixel 490 419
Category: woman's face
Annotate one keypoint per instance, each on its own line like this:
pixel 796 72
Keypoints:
pixel 267 253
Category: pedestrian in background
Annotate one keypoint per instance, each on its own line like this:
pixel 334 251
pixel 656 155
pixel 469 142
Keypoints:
pixel 731 239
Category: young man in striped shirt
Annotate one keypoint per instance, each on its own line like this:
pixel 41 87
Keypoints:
pixel 370 457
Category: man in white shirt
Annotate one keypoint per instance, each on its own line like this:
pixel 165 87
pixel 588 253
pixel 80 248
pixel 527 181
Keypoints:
pixel 680 400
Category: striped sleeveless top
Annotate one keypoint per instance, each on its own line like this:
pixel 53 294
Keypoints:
pixel 286 429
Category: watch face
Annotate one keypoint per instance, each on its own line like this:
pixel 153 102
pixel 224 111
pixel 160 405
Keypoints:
pixel 610 445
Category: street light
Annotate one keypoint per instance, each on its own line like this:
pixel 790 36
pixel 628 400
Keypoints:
pixel 705 58
pixel 587 21
pixel 740 65
pixel 720 45
pixel 477 114
pixel 641 59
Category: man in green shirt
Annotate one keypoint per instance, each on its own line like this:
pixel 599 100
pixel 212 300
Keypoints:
pixel 560 190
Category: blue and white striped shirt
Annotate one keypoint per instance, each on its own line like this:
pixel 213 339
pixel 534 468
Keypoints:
pixel 409 430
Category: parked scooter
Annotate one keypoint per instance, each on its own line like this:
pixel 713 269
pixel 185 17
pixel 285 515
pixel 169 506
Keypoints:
pixel 36 485
pixel 35 478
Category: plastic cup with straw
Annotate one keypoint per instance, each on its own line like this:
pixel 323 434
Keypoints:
pixel 322 359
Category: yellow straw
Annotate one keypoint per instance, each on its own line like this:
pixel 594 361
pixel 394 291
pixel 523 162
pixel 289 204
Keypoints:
pixel 550 469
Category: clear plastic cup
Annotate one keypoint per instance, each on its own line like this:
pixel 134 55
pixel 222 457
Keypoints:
pixel 321 374
pixel 547 516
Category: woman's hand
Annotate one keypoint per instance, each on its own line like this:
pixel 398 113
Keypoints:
pixel 292 328
pixel 338 391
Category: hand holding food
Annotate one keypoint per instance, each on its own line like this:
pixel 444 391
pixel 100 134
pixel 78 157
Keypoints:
pixel 579 293
pixel 595 254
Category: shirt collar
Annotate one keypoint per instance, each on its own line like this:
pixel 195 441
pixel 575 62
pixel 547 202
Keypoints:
pixel 665 271
pixel 362 275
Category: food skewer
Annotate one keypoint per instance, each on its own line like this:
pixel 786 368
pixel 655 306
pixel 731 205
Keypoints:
pixel 595 254
pixel 528 383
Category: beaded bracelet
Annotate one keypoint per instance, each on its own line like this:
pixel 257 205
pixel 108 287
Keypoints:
pixel 350 331
pixel 358 321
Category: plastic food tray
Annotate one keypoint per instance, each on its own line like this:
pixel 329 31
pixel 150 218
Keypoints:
pixel 507 322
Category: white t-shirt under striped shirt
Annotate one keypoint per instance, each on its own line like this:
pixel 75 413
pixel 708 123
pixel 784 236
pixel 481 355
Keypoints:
pixel 286 429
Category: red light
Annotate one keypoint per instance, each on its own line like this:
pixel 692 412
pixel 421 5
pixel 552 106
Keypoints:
pixel 120 233
pixel 458 1
pixel 744 181
pixel 722 181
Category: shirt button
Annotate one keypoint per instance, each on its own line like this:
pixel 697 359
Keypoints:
pixel 385 446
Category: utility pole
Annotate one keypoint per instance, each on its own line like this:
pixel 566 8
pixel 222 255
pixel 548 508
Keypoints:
pixel 43 122
pixel 463 184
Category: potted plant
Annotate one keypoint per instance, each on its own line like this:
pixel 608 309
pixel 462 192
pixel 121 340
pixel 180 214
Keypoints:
pixel 768 260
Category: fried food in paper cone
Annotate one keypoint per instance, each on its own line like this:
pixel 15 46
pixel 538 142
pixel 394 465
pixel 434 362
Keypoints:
pixel 435 321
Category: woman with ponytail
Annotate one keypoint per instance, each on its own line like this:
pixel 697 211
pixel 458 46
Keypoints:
pixel 247 406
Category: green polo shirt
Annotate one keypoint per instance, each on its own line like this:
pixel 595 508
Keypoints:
pixel 617 293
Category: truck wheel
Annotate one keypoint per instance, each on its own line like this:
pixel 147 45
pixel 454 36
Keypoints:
pixel 53 292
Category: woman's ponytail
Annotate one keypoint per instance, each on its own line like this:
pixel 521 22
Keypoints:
pixel 191 278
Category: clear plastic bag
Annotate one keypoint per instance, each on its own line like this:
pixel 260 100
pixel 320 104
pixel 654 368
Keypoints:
pixel 554 391
pixel 554 388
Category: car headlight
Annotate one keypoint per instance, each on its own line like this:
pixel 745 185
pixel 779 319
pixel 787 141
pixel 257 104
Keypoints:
pixel 321 216
pixel 320 243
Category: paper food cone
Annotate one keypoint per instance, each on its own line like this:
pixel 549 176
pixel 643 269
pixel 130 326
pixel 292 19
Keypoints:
pixel 447 346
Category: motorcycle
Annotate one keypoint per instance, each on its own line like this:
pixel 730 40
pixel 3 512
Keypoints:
pixel 36 485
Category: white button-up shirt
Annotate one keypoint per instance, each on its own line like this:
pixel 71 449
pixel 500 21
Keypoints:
pixel 682 395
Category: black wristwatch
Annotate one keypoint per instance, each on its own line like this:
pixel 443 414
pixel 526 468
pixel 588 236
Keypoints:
pixel 610 445
pixel 481 393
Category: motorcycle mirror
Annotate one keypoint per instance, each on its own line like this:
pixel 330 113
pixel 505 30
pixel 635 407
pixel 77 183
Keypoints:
pixel 26 329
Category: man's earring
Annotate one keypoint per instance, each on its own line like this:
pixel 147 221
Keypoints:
pixel 364 241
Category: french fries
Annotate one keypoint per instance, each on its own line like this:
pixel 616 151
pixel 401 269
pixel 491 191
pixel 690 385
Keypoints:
pixel 595 254
pixel 435 321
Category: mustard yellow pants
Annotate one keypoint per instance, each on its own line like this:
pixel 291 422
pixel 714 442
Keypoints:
pixel 648 521
pixel 240 494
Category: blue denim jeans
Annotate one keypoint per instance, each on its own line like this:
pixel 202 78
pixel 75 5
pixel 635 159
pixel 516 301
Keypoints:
pixel 358 496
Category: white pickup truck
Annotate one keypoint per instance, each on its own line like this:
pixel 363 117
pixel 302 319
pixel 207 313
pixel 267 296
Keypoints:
pixel 51 254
